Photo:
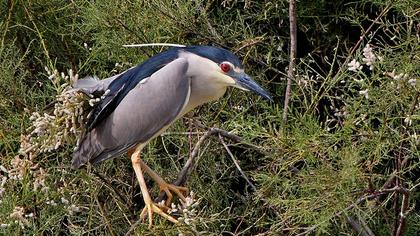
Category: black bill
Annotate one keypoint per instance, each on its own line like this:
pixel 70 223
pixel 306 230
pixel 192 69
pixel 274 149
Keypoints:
pixel 245 82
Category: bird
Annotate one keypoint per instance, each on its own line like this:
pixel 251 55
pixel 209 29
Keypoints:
pixel 142 102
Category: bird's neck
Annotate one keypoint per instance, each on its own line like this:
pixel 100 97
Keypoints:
pixel 203 92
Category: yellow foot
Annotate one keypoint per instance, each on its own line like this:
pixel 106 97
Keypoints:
pixel 178 190
pixel 151 208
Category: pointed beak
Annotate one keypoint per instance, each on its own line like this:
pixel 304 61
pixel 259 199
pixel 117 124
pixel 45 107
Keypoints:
pixel 244 81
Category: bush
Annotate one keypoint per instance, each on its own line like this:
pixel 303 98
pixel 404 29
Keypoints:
pixel 346 161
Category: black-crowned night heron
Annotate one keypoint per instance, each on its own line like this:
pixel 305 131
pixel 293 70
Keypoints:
pixel 144 101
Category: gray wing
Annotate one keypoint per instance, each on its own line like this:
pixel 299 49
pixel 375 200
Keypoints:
pixel 144 112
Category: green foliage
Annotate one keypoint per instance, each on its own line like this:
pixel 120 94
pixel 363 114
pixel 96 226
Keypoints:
pixel 348 131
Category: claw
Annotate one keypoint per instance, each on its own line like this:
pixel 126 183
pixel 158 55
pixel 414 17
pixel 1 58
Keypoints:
pixel 151 208
pixel 178 190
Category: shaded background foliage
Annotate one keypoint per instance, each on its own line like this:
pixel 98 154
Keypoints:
pixel 305 171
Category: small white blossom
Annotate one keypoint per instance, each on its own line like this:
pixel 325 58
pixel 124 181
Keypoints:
pixel 412 82
pixel 415 138
pixel 64 201
pixel 364 93
pixel 52 203
pixel 18 214
pixel 40 177
pixel 49 132
pixel 369 57
pixel 399 76
pixel 2 168
pixel 354 65
pixel 2 183
pixel 408 121
pixel 73 209
pixel 187 209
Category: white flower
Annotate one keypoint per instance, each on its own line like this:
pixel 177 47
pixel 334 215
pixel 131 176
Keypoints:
pixel 64 201
pixel 415 138
pixel 354 65
pixel 18 213
pixel 52 203
pixel 73 209
pixel 365 93
pixel 368 57
pixel 412 82
pixel 408 121
pixel 399 76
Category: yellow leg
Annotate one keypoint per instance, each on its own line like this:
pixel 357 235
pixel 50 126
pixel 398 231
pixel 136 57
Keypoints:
pixel 150 206
pixel 164 186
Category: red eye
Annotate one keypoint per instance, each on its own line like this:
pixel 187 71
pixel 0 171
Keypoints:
pixel 225 67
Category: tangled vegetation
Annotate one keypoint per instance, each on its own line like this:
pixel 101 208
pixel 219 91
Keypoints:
pixel 346 162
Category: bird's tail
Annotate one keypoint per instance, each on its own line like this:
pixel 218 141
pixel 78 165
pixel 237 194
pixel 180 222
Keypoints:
pixel 92 85
pixel 88 149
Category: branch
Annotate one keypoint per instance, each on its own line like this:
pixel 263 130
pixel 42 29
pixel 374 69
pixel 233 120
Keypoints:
pixel 359 201
pixel 394 174
pixel 293 49
pixel 359 227
pixel 403 213
pixel 112 188
pixel 237 164
pixel 191 162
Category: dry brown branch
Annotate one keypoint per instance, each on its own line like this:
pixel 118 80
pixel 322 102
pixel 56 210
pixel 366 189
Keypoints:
pixel 359 226
pixel 237 164
pixel 403 213
pixel 293 49
pixel 388 183
pixel 191 162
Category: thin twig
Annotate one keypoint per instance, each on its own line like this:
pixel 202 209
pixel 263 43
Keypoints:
pixel 293 49
pixel 41 38
pixel 136 34
pixel 388 183
pixel 358 227
pixel 365 226
pixel 111 187
pixel 191 162
pixel 104 217
pixel 336 77
pixel 403 213
pixel 231 136
pixel 358 201
pixel 6 27
pixel 397 195
pixel 237 164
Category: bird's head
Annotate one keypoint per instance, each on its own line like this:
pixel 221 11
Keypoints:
pixel 224 67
